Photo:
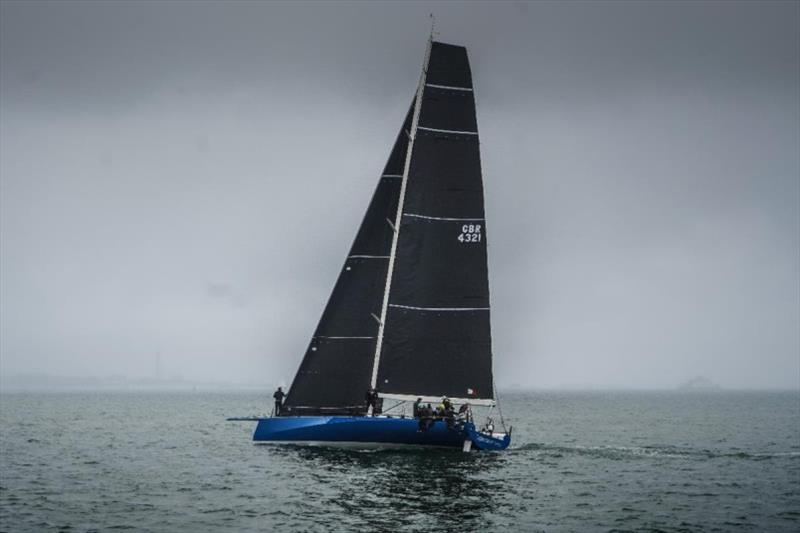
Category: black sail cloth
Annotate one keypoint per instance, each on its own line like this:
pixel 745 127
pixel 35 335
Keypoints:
pixel 437 338
pixel 337 367
pixel 436 335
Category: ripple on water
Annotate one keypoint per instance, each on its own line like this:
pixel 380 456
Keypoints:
pixel 579 461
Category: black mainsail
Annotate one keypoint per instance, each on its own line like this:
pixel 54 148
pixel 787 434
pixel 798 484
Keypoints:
pixel 436 337
pixel 409 314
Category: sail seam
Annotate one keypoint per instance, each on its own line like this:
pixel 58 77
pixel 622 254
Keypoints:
pixel 398 218
pixel 439 308
pixel 448 87
pixel 337 338
pixel 442 218
pixel 455 132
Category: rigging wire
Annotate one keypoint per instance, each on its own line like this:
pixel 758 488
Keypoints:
pixel 499 409
pixel 401 402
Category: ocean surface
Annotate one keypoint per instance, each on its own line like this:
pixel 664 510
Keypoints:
pixel 599 461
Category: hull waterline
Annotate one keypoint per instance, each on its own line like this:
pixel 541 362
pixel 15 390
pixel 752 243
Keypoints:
pixel 372 432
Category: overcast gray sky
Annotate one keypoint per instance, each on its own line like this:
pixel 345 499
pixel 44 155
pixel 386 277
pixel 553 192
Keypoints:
pixel 185 179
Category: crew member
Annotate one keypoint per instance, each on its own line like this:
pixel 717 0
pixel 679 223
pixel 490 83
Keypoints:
pixel 425 420
pixel 447 404
pixel 444 408
pixel 371 399
pixel 279 395
pixel 377 404
pixel 449 413
pixel 417 406
pixel 429 420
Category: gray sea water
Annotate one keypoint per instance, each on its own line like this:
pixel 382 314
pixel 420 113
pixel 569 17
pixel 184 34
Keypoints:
pixel 727 461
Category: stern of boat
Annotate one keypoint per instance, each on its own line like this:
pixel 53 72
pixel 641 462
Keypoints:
pixel 486 441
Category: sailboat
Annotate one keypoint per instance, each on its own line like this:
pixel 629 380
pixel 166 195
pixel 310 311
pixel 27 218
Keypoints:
pixel 408 318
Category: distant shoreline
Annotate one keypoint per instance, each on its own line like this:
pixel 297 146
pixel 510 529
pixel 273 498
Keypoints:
pixel 51 383
pixel 267 389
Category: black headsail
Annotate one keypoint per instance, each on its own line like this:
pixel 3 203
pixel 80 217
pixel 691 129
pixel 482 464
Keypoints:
pixel 336 370
pixel 435 339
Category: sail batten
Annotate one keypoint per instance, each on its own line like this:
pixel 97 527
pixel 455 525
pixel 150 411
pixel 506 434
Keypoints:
pixel 454 309
pixel 454 132
pixel 447 87
pixel 428 217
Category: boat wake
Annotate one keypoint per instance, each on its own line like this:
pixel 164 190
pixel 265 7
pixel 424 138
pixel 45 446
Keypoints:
pixel 633 452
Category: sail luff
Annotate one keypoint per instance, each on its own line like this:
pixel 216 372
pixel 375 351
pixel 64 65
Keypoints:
pixel 399 217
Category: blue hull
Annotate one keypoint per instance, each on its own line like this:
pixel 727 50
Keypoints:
pixel 371 430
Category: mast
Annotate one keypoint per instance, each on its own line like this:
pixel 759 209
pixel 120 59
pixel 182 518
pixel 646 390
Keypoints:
pixel 399 217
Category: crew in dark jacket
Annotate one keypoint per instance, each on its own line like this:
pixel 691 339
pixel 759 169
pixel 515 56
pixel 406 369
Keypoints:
pixel 278 401
pixel 417 406
pixel 371 399
pixel 425 417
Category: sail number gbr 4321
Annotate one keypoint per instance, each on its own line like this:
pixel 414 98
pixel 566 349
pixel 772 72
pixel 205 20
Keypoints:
pixel 470 233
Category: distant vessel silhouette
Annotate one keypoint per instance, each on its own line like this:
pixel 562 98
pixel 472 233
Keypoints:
pixel 699 383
